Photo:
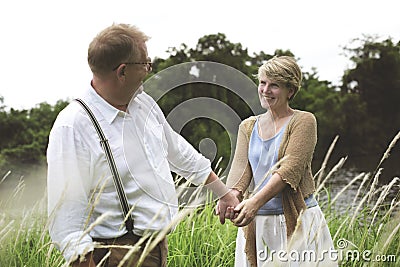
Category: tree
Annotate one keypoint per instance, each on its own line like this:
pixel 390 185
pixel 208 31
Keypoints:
pixel 323 100
pixel 210 48
pixel 316 96
pixel 375 78
pixel 24 133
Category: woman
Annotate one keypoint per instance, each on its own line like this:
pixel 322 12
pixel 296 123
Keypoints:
pixel 280 220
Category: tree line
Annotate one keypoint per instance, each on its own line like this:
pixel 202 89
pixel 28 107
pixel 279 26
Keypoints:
pixel 24 133
pixel 363 111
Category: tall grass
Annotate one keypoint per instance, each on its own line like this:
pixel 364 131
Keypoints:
pixel 367 232
pixel 23 238
pixel 370 224
pixel 200 240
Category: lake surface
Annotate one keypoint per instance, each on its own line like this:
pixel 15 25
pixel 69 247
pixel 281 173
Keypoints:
pixel 390 168
pixel 22 189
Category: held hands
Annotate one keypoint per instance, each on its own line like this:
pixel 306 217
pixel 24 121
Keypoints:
pixel 226 204
pixel 245 212
pixel 241 214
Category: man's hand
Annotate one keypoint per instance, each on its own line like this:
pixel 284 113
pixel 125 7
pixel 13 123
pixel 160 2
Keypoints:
pixel 226 204
pixel 88 262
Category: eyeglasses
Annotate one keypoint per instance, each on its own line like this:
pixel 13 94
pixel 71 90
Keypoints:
pixel 148 64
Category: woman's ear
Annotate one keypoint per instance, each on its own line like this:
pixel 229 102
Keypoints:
pixel 291 93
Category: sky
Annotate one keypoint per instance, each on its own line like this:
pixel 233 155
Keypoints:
pixel 43 55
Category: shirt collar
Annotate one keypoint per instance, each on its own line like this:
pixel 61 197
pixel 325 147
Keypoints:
pixel 107 111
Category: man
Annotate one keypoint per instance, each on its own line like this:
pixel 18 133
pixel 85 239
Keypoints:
pixel 145 150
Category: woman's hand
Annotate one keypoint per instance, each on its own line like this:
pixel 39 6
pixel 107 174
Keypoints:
pixel 245 212
pixel 248 208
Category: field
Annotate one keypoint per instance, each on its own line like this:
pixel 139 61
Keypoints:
pixel 366 233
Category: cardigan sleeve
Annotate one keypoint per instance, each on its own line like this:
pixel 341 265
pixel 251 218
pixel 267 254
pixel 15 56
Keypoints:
pixel 239 178
pixel 298 146
pixel 240 173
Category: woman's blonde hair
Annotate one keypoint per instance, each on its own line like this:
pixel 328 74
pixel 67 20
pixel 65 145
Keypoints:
pixel 284 71
pixel 114 45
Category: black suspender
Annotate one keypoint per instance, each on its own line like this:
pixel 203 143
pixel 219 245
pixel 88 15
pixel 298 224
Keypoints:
pixel 114 171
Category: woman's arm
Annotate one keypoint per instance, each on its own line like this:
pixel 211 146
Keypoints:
pixel 248 208
pixel 298 148
pixel 240 173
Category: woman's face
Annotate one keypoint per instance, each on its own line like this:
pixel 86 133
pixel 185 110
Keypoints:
pixel 272 96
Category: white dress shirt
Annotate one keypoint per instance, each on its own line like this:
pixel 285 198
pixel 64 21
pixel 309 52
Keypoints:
pixel 145 149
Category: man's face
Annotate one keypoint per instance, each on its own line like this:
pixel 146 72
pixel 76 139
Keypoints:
pixel 135 73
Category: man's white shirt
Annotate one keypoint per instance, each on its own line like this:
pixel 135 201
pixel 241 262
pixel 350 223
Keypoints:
pixel 145 148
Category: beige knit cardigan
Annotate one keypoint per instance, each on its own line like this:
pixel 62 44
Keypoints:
pixel 298 144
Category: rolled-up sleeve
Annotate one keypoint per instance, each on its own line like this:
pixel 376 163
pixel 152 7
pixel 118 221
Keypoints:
pixel 68 184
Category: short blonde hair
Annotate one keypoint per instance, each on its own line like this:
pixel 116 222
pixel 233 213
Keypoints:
pixel 284 71
pixel 114 45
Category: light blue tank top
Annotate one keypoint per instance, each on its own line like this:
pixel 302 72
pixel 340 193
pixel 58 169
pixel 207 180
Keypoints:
pixel 263 154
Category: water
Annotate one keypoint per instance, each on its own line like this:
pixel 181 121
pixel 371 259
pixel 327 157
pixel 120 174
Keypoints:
pixel 352 168
pixel 22 189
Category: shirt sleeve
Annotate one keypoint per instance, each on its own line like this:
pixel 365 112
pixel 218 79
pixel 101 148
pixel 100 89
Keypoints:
pixel 185 160
pixel 68 185
pixel 182 157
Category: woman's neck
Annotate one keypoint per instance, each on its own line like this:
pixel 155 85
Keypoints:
pixel 282 113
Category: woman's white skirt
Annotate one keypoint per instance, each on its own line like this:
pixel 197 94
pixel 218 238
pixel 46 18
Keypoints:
pixel 311 244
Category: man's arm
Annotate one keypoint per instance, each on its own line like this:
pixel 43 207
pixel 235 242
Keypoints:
pixel 68 192
pixel 188 162
pixel 227 198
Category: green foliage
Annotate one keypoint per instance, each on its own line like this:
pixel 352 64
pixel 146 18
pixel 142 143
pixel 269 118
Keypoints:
pixel 25 241
pixel 200 240
pixel 214 48
pixel 371 223
pixel 375 79
pixel 24 133
pixel 323 100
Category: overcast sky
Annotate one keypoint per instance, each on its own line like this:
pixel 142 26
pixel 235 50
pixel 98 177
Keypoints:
pixel 44 43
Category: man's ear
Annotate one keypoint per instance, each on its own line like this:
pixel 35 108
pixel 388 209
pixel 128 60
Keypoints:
pixel 121 71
